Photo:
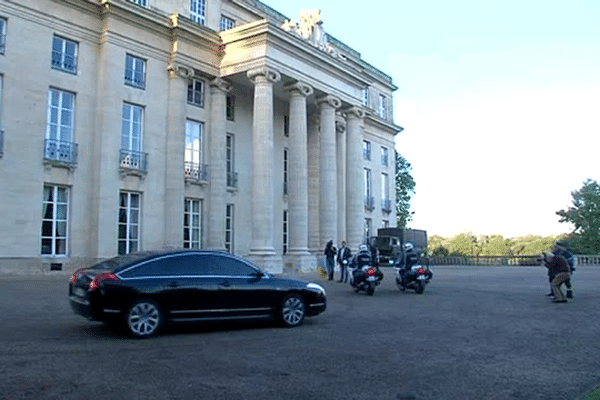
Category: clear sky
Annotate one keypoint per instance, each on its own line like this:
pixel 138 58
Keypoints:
pixel 500 101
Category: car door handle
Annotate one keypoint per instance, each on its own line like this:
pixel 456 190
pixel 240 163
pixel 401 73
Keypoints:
pixel 172 284
pixel 226 284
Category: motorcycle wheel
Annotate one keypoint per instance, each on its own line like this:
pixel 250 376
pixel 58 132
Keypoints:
pixel 420 287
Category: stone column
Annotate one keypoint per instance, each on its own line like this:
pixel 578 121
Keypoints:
pixel 217 165
pixel 298 178
pixel 314 242
pixel 174 183
pixel 354 178
pixel 262 251
pixel 328 170
pixel 340 128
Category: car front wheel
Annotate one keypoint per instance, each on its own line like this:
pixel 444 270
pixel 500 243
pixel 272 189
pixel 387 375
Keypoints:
pixel 143 319
pixel 293 310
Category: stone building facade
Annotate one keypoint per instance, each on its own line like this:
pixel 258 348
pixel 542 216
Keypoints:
pixel 150 124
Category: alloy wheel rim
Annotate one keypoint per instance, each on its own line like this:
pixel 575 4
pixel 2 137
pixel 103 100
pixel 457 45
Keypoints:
pixel 144 319
pixel 293 310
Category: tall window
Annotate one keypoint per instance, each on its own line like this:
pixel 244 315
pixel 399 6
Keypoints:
pixel 135 71
pixel 383 106
pixel 365 97
pixel 196 92
pixel 230 109
pixel 2 35
pixel 367 190
pixel 229 245
pixel 384 187
pixel 193 144
pixel 143 3
pixel 285 171
pixel 1 128
pixel 129 222
pixel 64 54
pixel 226 23
pixel 132 125
pixel 230 160
pixel 192 224
pixel 59 126
pixel 198 11
pixel 285 231
pixel 366 150
pixel 368 229
pixel 55 214
pixel 384 156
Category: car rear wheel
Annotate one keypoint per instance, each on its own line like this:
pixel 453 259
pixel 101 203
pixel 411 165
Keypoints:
pixel 143 319
pixel 293 310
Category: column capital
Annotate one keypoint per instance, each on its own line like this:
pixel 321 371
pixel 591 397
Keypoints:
pixel 356 112
pixel 221 84
pixel 270 75
pixel 177 69
pixel 299 88
pixel 331 100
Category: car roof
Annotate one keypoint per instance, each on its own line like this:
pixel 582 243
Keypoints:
pixel 126 260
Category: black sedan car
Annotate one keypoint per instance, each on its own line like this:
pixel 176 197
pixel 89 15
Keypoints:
pixel 143 291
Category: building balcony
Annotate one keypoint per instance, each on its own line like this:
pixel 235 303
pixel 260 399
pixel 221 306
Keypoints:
pixel 386 205
pixel 232 180
pixel 196 173
pixel 133 162
pixel 60 153
pixel 1 142
pixel 369 203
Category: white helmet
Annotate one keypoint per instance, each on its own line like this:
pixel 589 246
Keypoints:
pixel 408 246
pixel 362 247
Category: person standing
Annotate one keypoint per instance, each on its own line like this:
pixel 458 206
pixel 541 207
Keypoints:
pixel 343 258
pixel 562 248
pixel 330 252
pixel 559 269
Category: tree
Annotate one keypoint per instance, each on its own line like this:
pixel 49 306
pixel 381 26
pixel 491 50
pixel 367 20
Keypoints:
pixel 405 189
pixel 585 216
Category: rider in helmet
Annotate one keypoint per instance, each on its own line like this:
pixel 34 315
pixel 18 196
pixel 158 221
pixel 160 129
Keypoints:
pixel 362 258
pixel 407 259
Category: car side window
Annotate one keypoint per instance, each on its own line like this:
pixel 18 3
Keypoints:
pixel 233 267
pixel 170 265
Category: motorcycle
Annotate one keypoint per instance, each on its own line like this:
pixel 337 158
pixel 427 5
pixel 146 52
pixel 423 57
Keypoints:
pixel 416 278
pixel 365 278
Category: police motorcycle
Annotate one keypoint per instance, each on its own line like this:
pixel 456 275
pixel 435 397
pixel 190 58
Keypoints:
pixel 364 274
pixel 410 271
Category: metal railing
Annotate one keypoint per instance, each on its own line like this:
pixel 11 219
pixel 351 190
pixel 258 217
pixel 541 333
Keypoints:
pixel 60 151
pixel 1 142
pixel 527 260
pixel 232 179
pixel 386 205
pixel 133 160
pixel 62 63
pixel 196 172
pixel 369 203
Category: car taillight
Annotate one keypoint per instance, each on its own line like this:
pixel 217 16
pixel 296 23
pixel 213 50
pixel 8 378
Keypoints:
pixel 73 277
pixel 103 277
pixel 371 272
pixel 421 271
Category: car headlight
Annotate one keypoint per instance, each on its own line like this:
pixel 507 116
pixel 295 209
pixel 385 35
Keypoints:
pixel 314 286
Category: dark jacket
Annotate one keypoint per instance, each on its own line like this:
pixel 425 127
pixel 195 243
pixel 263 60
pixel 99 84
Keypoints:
pixel 361 259
pixel 344 254
pixel 557 264
pixel 330 252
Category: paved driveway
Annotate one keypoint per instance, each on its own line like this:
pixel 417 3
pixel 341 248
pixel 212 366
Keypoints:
pixel 476 333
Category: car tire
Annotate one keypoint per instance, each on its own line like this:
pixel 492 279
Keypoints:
pixel 293 310
pixel 143 319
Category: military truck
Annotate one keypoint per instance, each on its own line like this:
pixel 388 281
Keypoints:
pixel 389 241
